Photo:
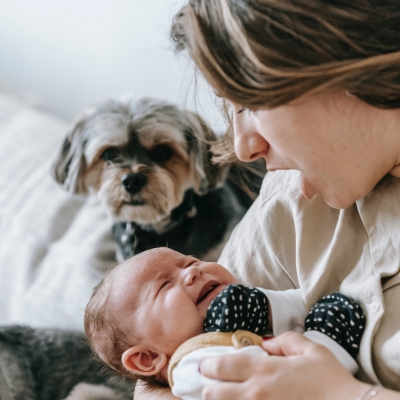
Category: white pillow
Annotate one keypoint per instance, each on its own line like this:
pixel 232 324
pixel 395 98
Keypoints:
pixel 54 247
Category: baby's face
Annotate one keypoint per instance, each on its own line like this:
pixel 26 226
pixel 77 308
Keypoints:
pixel 165 296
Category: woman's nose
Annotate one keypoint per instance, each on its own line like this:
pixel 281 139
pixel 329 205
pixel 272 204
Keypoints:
pixel 249 144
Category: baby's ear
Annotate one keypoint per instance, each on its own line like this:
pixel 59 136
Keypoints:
pixel 140 360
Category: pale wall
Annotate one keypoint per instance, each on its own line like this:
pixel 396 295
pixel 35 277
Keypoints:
pixel 74 53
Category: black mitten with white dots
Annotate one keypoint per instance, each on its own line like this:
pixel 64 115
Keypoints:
pixel 340 318
pixel 238 307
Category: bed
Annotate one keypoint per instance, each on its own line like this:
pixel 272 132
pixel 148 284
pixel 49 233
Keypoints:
pixel 54 247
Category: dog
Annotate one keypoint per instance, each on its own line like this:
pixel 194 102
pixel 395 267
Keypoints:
pixel 150 163
pixel 52 364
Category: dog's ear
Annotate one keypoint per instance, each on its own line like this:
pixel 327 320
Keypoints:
pixel 199 137
pixel 70 164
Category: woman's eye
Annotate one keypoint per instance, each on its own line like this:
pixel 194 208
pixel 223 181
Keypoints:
pixel 110 154
pixel 160 154
pixel 249 110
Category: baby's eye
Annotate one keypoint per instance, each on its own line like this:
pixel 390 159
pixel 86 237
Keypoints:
pixel 191 262
pixel 161 285
pixel 164 284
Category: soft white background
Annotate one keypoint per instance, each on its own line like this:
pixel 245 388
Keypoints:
pixel 55 247
pixel 75 53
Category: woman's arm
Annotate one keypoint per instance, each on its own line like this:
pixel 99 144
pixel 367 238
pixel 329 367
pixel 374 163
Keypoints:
pixel 145 392
pixel 296 365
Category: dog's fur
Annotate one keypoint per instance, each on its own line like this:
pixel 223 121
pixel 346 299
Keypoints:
pixel 51 364
pixel 149 161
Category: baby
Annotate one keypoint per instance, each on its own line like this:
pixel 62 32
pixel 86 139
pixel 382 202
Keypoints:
pixel 152 311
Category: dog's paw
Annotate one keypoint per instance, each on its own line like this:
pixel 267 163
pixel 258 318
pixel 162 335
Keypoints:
pixel 86 391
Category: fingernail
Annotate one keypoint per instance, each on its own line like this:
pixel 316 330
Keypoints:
pixel 269 337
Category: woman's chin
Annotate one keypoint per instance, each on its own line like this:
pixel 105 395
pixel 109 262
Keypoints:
pixel 339 203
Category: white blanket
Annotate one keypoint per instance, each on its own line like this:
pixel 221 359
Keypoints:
pixel 54 247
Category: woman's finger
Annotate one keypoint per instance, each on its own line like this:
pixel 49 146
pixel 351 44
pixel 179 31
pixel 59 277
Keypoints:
pixel 233 367
pixel 289 344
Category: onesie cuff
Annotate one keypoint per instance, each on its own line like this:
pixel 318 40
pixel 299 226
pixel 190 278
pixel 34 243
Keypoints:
pixel 287 308
pixel 338 351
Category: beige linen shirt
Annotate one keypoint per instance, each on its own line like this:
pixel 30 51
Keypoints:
pixel 286 241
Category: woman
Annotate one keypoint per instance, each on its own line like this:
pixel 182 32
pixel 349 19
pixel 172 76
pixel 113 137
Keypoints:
pixel 313 86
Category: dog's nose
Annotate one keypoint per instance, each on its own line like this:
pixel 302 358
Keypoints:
pixel 133 182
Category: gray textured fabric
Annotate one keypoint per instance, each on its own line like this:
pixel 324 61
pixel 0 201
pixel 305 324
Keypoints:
pixel 46 364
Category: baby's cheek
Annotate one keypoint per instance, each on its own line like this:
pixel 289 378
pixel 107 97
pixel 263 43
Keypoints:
pixel 186 329
pixel 227 277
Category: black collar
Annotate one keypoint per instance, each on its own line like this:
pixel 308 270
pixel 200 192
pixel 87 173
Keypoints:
pixel 185 208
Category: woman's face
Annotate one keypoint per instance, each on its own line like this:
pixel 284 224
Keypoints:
pixel 330 138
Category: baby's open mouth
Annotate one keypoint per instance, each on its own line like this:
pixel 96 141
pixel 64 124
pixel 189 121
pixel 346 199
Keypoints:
pixel 206 291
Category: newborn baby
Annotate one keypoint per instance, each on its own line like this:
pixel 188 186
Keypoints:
pixel 162 309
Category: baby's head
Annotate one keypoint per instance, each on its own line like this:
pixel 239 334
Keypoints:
pixel 146 307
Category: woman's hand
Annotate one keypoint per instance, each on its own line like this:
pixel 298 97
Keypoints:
pixel 296 369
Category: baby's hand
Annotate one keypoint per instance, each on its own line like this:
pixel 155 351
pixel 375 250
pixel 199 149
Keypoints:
pixel 238 307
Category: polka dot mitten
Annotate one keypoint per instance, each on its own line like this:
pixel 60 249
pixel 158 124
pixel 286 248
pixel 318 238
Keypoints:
pixel 238 307
pixel 340 318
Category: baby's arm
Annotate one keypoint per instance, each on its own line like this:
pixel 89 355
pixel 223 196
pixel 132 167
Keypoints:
pixel 287 310
pixel 337 322
pixel 256 310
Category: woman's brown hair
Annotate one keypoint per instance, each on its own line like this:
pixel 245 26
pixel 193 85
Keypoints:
pixel 266 53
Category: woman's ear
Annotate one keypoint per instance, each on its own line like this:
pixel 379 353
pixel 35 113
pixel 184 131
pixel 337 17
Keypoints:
pixel 140 360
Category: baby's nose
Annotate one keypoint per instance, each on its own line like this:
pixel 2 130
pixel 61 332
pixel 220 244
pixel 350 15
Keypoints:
pixel 191 274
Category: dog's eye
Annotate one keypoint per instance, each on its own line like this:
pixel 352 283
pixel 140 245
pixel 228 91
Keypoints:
pixel 160 154
pixel 110 154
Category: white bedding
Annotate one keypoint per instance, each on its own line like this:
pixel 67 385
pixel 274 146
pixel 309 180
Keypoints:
pixel 54 247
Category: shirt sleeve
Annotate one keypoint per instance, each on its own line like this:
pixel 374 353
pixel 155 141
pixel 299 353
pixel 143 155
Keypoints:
pixel 338 351
pixel 189 382
pixel 289 314
pixel 287 308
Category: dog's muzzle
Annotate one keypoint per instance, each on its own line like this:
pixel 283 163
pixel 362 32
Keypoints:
pixel 133 183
